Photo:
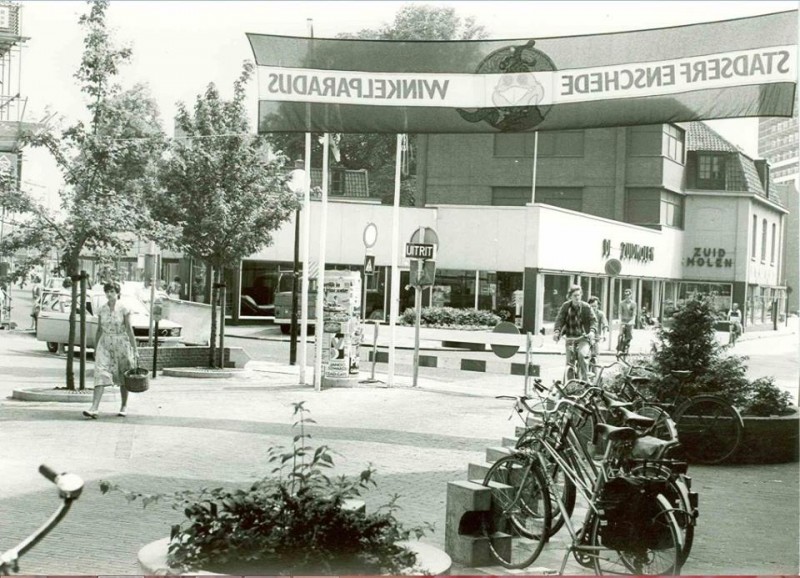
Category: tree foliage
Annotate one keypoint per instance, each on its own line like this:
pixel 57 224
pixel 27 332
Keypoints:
pixel 376 152
pixel 222 189
pixel 107 163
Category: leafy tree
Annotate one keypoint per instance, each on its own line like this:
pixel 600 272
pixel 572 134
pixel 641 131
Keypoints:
pixel 107 164
pixel 376 152
pixel 222 188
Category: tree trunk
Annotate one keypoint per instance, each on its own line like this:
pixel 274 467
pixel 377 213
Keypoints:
pixel 71 342
pixel 213 339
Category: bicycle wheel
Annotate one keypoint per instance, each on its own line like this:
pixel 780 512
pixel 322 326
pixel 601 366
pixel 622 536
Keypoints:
pixel 516 526
pixel 662 429
pixel 656 551
pixel 709 428
pixel 677 494
pixel 559 485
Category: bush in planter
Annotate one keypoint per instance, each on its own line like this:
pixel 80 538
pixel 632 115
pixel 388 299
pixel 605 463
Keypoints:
pixel 291 522
pixel 450 317
pixel 689 343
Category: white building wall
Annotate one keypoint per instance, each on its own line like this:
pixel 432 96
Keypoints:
pixel 717 233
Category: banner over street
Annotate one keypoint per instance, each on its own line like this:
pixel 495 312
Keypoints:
pixel 735 68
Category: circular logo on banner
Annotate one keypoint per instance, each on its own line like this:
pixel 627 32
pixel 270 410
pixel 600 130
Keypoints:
pixel 613 267
pixel 518 92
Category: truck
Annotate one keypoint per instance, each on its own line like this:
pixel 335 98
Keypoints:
pixel 337 282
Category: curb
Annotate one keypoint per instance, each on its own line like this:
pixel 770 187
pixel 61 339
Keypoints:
pixel 200 372
pixel 52 394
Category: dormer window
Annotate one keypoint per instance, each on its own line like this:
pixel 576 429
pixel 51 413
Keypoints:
pixel 711 172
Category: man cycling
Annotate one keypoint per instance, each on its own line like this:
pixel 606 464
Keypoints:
pixel 627 318
pixel 577 323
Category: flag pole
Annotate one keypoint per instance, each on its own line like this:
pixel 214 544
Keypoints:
pixel 394 304
pixel 306 213
pixel 323 234
pixel 306 236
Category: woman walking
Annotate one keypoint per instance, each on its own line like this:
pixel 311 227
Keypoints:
pixel 115 350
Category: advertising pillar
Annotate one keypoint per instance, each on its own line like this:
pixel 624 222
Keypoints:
pixel 342 329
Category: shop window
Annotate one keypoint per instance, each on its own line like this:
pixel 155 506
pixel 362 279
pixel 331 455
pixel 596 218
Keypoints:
pixel 454 288
pixel 555 294
pixel 711 172
pixel 565 197
pixel 260 280
pixel 763 240
pixel 719 295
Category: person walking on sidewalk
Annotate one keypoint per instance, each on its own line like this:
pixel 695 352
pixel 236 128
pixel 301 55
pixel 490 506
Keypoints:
pixel 577 323
pixel 115 350
pixel 627 318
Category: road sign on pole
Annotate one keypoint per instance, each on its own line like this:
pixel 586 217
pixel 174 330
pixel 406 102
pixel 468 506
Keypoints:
pixel 422 273
pixel 369 265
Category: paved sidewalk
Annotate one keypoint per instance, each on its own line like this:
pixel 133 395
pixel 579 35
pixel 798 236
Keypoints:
pixel 192 433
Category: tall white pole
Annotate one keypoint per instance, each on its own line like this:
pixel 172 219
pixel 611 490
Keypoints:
pixel 306 236
pixel 394 305
pixel 535 159
pixel 306 214
pixel 323 234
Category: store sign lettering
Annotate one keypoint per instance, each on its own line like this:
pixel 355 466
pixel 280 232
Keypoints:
pixel 705 257
pixel 630 251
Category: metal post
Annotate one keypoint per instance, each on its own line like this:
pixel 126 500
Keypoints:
pixel 394 303
pixel 323 234
pixel 295 266
pixel 223 300
pixel 374 351
pixel 155 350
pixel 528 342
pixel 306 263
pixel 418 318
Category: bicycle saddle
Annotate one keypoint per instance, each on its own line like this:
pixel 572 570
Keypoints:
pixel 634 419
pixel 613 433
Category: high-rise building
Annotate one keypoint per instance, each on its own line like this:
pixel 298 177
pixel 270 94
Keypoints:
pixel 778 143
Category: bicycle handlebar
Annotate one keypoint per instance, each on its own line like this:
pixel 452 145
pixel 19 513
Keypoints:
pixel 69 489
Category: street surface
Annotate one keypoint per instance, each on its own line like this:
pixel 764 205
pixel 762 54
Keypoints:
pixel 193 433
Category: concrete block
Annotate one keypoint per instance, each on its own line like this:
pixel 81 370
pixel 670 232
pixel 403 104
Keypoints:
pixel 509 442
pixel 477 472
pixel 495 453
pixel 466 503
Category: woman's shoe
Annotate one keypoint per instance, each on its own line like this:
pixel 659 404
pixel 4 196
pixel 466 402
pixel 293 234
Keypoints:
pixel 122 412
pixel 90 414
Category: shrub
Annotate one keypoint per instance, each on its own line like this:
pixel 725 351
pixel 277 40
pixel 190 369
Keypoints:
pixel 292 521
pixel 689 343
pixel 450 317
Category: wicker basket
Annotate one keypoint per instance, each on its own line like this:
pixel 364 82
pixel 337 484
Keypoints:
pixel 137 380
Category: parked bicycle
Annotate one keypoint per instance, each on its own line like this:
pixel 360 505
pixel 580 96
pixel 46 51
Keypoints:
pixel 629 526
pixel 709 427
pixel 69 487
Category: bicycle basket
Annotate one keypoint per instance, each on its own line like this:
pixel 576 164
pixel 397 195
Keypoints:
pixel 136 380
pixel 630 519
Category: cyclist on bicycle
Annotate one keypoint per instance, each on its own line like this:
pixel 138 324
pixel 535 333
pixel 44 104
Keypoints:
pixel 627 318
pixel 577 323
pixel 602 327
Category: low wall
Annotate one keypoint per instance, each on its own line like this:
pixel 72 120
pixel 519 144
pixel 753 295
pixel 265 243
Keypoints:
pixel 189 356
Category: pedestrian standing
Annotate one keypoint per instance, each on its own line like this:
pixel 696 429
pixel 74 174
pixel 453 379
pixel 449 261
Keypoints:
pixel 627 319
pixel 115 350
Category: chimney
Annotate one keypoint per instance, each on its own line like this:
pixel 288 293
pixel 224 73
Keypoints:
pixel 763 174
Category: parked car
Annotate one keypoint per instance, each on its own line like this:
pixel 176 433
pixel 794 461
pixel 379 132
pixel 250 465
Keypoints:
pixel 53 323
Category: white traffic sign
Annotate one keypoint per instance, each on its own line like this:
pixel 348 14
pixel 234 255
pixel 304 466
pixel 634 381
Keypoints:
pixel 424 251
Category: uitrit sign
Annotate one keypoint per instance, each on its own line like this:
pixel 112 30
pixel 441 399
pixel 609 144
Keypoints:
pixel 422 251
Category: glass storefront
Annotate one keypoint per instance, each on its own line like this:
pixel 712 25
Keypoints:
pixel 555 293
pixel 720 295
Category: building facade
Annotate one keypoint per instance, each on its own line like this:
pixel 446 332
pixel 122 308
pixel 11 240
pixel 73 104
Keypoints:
pixel 778 143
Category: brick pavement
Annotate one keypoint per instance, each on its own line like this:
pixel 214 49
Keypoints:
pixel 202 433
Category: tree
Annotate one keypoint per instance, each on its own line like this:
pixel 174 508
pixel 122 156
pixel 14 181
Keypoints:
pixel 222 188
pixel 376 152
pixel 107 164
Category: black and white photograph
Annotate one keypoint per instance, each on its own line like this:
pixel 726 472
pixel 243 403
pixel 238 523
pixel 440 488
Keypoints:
pixel 564 249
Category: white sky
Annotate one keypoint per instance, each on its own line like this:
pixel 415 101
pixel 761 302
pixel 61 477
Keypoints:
pixel 179 47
